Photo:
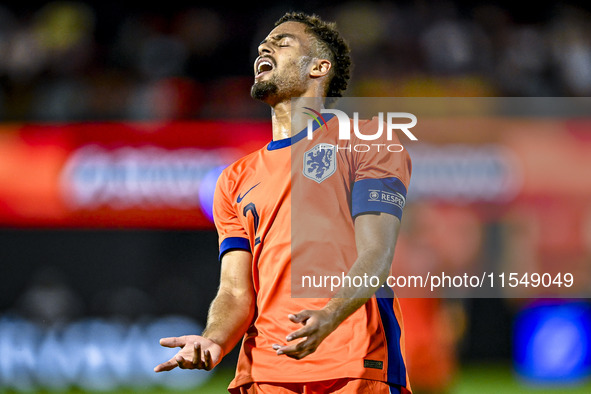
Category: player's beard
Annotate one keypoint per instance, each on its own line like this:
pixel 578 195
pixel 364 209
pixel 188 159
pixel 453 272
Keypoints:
pixel 282 86
pixel 263 90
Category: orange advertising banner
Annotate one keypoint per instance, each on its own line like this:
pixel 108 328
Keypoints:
pixel 126 174
pixel 117 174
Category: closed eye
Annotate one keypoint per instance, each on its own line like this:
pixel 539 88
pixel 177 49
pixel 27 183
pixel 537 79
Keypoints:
pixel 284 43
pixel 283 40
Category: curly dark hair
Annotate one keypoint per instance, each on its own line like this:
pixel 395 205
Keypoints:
pixel 330 45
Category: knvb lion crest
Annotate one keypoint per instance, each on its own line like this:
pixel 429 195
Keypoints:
pixel 320 162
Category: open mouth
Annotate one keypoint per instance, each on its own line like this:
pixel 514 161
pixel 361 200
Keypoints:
pixel 263 65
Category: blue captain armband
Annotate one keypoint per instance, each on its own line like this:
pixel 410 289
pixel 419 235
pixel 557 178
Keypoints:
pixel 386 195
pixel 232 243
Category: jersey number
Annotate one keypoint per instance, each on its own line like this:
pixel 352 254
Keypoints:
pixel 250 207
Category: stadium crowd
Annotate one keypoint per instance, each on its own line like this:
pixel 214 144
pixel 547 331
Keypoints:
pixel 107 61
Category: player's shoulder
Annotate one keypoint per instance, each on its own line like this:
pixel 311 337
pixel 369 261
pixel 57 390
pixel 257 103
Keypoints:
pixel 374 122
pixel 372 126
pixel 234 170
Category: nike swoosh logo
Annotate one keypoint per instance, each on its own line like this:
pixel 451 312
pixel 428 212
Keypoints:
pixel 240 198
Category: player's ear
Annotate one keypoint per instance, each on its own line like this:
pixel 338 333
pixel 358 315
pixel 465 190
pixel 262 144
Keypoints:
pixel 320 68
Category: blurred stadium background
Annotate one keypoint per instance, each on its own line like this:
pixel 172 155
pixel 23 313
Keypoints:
pixel 117 118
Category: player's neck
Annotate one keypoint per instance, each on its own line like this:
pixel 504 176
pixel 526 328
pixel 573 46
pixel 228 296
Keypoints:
pixel 288 117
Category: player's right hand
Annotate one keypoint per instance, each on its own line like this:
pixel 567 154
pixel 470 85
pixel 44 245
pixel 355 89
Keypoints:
pixel 196 352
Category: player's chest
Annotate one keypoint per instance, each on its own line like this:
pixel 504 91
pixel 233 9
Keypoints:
pixel 262 192
pixel 277 187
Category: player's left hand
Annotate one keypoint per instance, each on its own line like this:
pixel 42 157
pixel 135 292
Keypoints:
pixel 196 352
pixel 318 324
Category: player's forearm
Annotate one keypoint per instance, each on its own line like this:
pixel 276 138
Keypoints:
pixel 230 315
pixel 375 237
pixel 350 298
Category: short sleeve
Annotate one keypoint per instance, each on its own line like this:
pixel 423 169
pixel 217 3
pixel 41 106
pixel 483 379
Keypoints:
pixel 231 232
pixel 382 170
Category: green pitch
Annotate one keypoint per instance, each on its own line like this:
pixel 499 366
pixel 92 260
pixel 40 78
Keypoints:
pixel 475 379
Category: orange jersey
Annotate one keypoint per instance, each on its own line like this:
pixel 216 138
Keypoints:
pixel 292 204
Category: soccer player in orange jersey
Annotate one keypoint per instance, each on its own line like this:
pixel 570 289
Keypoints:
pixel 294 208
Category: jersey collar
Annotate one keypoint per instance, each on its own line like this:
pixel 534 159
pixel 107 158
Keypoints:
pixel 285 142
